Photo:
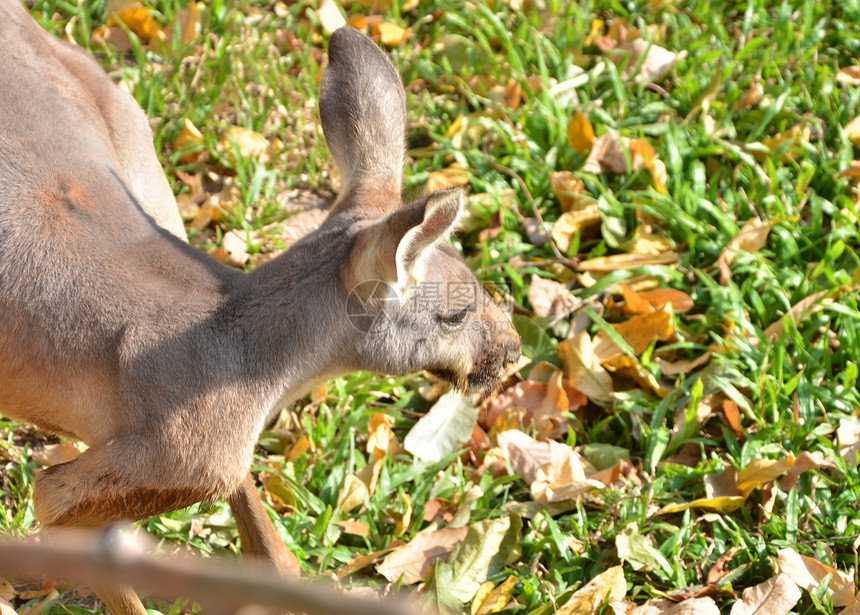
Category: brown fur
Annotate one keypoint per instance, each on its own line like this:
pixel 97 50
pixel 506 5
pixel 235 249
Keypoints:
pixel 115 331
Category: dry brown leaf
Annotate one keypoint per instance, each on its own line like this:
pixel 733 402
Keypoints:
pixel 525 454
pixel 490 599
pixel 733 416
pixel 609 154
pixel 684 366
pixel 721 566
pixel 803 309
pixel 631 369
pixel 564 477
pixel 626 261
pixel 449 177
pixel 550 299
pixel 750 239
pixel 850 75
pixel 352 494
pixel 643 242
pixel 568 189
pixel 776 596
pixel 585 221
pixel 7 591
pixel 721 484
pixel 639 332
pixel 412 561
pixel 588 599
pixel 582 368
pixel 761 471
pixel 750 98
pixel 363 561
pixel 381 438
pixel 188 22
pixel 694 606
pixel 580 134
pixel 354 528
pixel 848 434
pixel 633 302
pixel 233 250
pixel 808 573
pixel 852 131
pixel 805 461
pixel 653 65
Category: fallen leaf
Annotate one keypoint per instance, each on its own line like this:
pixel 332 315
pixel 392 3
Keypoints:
pixel 850 75
pixel 138 19
pixel 750 239
pixel 525 454
pixel 488 547
pixel 803 309
pixel 805 461
pixel 492 599
pixel 808 573
pixel 848 433
pixel 750 98
pixel 444 429
pixel 550 299
pixel 761 471
pixel 638 551
pixel 726 504
pixel 249 143
pixel 363 561
pixel 721 567
pixel 852 131
pixel 580 134
pixel 776 596
pixel 191 139
pixel 584 221
pixel 791 143
pixel 569 191
pixel 412 561
pixel 639 332
pixel 582 368
pixel 626 261
pixel 187 21
pixel 693 606
pixel 609 154
pixel 684 366
pixel 233 250
pixel 392 35
pixel 647 61
pixel 643 242
pixel 6 607
pixel 589 598
pixel 381 438
pixel 352 494
pixel 733 416
pixel 449 177
pixel 563 478
pixel 354 528
pixel 330 16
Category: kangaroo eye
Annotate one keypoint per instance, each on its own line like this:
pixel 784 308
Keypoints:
pixel 453 319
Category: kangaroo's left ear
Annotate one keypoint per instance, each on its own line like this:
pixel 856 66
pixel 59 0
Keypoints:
pixel 441 214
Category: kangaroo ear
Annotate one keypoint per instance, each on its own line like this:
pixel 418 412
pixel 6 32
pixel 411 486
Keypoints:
pixel 441 214
pixel 392 249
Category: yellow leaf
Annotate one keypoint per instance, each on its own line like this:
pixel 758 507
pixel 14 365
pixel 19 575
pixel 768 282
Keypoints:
pixel 723 504
pixel 392 34
pixel 251 144
pixel 449 177
pixel 580 134
pixel 852 131
pixel 588 599
pixel 761 471
pixel 750 98
pixel 490 599
pixel 644 242
pixel 380 435
pixel 796 138
pixel 583 370
pixel 583 221
pixel 189 24
pixel 191 139
pixel 138 20
pixel 639 332
pixel 406 518
pixel 568 189
pixel 626 261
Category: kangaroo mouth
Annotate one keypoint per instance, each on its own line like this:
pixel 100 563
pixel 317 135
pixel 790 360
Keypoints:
pixel 480 382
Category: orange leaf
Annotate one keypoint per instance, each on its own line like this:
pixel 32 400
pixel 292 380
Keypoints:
pixel 580 134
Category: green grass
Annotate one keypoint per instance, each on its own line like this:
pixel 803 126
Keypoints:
pixel 242 71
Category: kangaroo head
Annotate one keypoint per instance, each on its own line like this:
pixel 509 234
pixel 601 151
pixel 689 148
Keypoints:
pixel 413 304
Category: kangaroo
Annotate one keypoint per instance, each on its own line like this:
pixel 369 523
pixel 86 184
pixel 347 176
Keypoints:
pixel 166 363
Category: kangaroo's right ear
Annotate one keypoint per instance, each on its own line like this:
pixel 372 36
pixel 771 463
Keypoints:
pixel 363 115
pixel 394 249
